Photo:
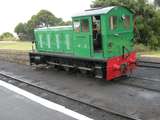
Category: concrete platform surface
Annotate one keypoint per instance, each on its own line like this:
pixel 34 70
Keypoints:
pixel 14 106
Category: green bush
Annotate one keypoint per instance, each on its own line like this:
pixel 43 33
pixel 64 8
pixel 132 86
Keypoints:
pixel 141 48
pixel 153 42
pixel 7 37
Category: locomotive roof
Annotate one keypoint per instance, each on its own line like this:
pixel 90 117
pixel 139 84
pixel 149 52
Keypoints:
pixel 56 28
pixel 96 11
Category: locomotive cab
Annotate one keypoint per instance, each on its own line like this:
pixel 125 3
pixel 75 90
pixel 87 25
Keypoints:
pixel 103 32
pixel 108 34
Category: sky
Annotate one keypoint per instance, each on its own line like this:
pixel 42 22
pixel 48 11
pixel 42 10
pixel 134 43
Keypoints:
pixel 14 11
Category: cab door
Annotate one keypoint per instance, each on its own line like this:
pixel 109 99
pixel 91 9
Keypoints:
pixel 97 38
pixel 126 33
pixel 82 37
pixel 119 34
pixel 114 39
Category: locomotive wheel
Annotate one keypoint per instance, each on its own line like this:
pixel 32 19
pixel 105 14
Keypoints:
pixel 57 67
pixel 83 72
pixel 67 69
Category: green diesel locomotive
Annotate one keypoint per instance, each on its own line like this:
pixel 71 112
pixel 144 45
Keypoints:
pixel 100 40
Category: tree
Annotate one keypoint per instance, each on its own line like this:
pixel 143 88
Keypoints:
pixel 67 23
pixel 157 2
pixel 7 36
pixel 21 30
pixel 146 16
pixel 43 18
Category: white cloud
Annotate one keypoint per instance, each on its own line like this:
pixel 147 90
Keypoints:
pixel 14 11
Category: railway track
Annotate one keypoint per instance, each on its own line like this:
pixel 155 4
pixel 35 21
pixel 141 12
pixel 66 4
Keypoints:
pixel 106 112
pixel 149 64
pixel 143 83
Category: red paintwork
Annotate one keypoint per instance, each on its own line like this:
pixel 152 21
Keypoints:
pixel 118 66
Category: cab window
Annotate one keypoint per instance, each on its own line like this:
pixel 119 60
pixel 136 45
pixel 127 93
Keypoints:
pixel 113 22
pixel 85 25
pixel 76 26
pixel 126 21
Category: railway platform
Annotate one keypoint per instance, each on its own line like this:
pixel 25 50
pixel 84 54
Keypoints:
pixel 17 104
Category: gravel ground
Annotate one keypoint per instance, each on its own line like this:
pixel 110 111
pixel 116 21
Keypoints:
pixel 17 56
pixel 136 102
pixel 149 73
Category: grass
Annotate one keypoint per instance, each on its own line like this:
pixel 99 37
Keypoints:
pixel 146 51
pixel 26 46
pixel 151 53
pixel 15 45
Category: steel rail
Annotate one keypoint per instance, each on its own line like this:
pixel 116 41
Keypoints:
pixel 139 86
pixel 148 64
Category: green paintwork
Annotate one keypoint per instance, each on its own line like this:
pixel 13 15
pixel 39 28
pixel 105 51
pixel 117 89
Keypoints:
pixel 66 41
pixel 120 36
pixel 82 41
pixel 54 39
